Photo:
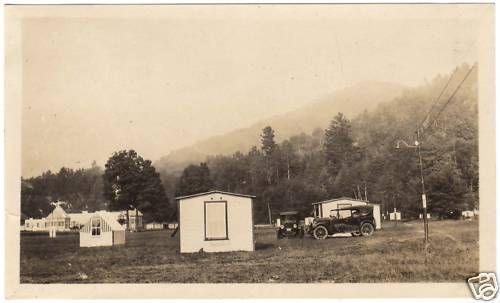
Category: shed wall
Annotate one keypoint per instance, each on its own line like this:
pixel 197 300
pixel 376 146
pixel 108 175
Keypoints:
pixel 377 216
pixel 118 237
pixel 239 224
pixel 87 240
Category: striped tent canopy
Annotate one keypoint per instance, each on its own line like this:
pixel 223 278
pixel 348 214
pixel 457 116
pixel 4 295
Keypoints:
pixel 108 223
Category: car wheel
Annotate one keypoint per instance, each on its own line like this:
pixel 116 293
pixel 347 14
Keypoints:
pixel 366 229
pixel 320 232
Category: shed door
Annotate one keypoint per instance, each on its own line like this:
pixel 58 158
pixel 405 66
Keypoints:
pixel 216 220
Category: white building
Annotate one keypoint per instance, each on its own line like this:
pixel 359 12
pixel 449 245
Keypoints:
pixel 60 220
pixel 172 225
pixel 155 225
pixel 396 216
pixel 102 229
pixel 323 209
pixel 35 224
pixel 135 219
pixel 216 221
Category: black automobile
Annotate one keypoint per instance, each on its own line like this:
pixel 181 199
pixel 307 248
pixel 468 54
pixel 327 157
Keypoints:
pixel 451 214
pixel 290 225
pixel 357 220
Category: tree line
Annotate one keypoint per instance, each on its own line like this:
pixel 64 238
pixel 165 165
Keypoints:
pixel 358 158
pixel 355 158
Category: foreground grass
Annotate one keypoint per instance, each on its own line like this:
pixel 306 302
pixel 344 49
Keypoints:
pixel 393 254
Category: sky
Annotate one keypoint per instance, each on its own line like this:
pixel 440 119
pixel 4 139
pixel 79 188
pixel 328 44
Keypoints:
pixel 95 82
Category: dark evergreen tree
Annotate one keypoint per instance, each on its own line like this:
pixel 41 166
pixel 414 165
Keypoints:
pixel 194 179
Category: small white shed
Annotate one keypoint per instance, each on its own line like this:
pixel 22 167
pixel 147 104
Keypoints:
pixel 322 209
pixel 216 221
pixel 102 229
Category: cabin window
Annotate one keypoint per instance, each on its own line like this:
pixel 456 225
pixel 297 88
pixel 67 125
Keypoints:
pixel 96 226
pixel 216 220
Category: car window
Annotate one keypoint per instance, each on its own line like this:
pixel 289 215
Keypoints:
pixel 334 214
pixel 365 212
pixel 355 213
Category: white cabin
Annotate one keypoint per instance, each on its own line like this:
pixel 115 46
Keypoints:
pixel 102 229
pixel 216 221
pixel 58 219
pixel 323 209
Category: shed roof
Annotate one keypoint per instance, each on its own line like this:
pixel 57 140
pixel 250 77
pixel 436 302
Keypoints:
pixel 108 217
pixel 339 199
pixel 213 192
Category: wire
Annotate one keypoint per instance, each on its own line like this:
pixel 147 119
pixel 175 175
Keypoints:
pixel 450 98
pixel 434 105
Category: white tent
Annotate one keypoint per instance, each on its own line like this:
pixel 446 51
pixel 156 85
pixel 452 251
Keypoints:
pixel 216 221
pixel 102 229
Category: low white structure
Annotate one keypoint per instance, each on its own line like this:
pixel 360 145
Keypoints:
pixel 102 229
pixel 421 216
pixel 35 224
pixel 216 221
pixel 468 214
pixel 154 226
pixel 323 209
pixel 135 219
pixel 173 225
pixel 60 220
pixel 396 216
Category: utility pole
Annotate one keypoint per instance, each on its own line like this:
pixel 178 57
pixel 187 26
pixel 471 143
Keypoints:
pixel 424 197
pixel 395 210
pixel 269 211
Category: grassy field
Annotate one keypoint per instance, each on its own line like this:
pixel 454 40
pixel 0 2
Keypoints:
pixel 393 254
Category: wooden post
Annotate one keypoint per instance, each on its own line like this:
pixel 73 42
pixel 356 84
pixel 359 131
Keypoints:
pixel 136 219
pixel 366 195
pixel 269 210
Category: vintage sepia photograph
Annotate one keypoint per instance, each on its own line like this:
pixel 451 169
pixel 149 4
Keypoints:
pixel 327 145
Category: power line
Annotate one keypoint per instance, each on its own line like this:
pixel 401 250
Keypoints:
pixel 449 99
pixel 436 101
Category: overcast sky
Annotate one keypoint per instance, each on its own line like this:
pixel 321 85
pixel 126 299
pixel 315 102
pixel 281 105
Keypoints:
pixel 92 86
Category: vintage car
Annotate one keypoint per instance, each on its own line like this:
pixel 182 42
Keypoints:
pixel 290 225
pixel 356 220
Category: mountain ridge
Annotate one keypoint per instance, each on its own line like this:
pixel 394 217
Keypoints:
pixel 351 101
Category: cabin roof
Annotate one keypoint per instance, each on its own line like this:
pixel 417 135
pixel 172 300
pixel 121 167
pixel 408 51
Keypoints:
pixel 213 192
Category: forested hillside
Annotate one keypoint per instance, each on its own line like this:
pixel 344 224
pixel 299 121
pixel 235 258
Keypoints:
pixel 354 157
pixel 358 158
